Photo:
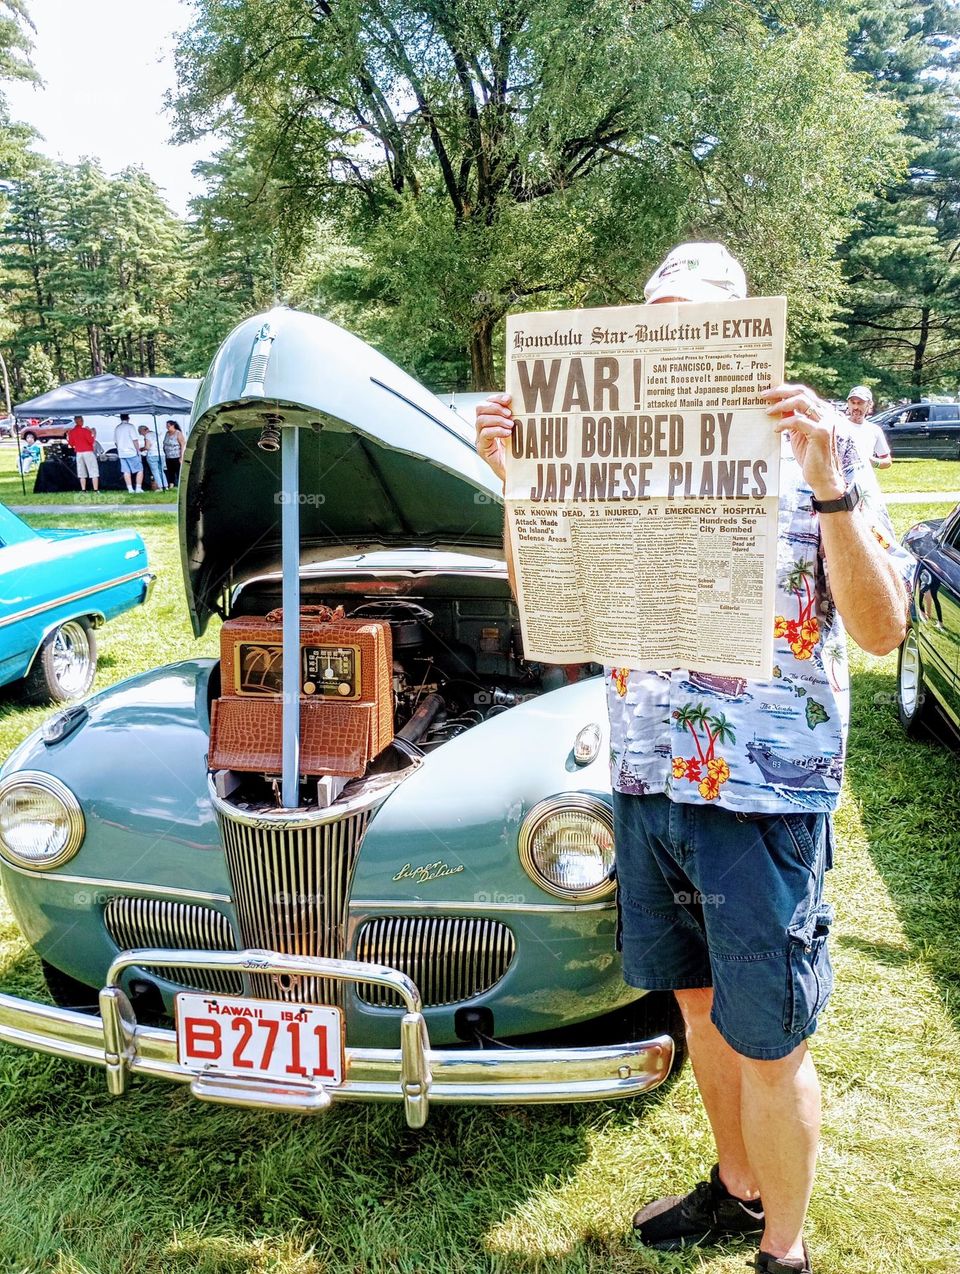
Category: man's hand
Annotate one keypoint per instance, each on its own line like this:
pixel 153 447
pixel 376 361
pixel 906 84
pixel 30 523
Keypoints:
pixel 810 424
pixel 864 582
pixel 494 426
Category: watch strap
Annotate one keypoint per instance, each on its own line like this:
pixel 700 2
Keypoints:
pixel 845 503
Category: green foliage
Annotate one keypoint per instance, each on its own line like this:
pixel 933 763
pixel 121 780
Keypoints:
pixel 899 326
pixel 92 267
pixel 482 158
pixel 37 375
pixel 15 48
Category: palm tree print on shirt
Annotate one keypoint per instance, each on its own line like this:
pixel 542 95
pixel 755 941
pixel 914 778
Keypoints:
pixel 706 769
pixel 802 633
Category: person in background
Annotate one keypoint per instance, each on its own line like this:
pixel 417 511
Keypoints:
pixel 173 445
pixel 30 452
pixel 870 439
pixel 721 884
pixel 84 441
pixel 148 450
pixel 128 452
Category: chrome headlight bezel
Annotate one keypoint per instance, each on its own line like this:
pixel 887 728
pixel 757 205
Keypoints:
pixel 73 814
pixel 579 802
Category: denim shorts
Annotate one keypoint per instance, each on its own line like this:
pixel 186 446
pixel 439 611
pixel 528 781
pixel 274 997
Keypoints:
pixel 709 897
pixel 131 464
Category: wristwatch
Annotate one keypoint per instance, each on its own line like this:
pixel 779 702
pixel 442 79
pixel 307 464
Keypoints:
pixel 848 501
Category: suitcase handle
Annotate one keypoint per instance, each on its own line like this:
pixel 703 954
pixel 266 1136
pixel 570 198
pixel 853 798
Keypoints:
pixel 325 614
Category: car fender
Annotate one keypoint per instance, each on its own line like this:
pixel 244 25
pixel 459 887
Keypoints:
pixel 464 806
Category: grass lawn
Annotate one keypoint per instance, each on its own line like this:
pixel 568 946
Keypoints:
pixel 159 1184
pixel 920 475
pixel 11 489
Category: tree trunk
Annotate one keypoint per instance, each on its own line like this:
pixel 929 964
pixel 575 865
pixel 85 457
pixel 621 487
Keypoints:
pixel 919 350
pixel 151 355
pixel 96 361
pixel 482 372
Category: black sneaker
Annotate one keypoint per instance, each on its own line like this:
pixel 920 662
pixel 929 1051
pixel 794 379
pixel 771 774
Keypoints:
pixel 709 1213
pixel 767 1264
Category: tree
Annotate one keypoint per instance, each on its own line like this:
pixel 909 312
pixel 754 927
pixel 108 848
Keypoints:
pixel 482 157
pixel 92 267
pixel 899 327
pixel 37 375
pixel 15 47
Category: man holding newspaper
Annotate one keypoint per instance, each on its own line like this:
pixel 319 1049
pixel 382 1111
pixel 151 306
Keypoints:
pixel 721 854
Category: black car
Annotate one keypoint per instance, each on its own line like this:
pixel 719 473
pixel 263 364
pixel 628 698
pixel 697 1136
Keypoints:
pixel 922 429
pixel 928 672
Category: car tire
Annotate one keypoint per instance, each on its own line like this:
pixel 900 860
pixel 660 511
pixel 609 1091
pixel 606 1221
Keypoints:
pixel 914 704
pixel 65 665
pixel 67 992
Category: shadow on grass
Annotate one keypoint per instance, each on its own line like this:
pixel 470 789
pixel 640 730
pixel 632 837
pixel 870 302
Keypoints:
pixel 907 792
pixel 179 1185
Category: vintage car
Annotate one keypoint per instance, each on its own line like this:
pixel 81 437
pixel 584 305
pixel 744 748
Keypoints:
pixel 928 671
pixel 56 587
pixel 394 882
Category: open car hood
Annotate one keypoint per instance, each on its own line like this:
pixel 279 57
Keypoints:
pixel 383 463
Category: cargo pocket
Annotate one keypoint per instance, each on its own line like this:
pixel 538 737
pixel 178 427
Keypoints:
pixel 809 971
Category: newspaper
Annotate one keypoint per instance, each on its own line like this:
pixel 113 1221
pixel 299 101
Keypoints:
pixel 642 484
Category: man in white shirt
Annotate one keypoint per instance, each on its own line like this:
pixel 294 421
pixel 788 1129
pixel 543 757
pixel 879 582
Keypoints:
pixel 128 451
pixel 870 439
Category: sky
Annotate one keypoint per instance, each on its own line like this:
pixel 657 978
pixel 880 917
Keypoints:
pixel 106 65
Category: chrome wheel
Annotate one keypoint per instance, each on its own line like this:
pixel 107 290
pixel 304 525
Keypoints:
pixel 70 658
pixel 910 676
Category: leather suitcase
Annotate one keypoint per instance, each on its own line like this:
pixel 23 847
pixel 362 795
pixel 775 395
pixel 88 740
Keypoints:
pixel 346 695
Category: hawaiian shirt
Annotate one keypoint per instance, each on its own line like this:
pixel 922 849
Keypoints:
pixel 756 746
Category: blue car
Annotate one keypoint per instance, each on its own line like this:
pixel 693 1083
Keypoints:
pixel 56 588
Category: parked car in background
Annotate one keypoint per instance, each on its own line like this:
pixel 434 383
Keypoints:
pixel 929 667
pixel 428 920
pixel 50 429
pixel 56 588
pixel 922 430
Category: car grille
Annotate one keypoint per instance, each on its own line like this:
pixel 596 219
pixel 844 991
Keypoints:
pixel 153 922
pixel 449 957
pixel 291 883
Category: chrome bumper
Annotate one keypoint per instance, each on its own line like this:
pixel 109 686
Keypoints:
pixel 414 1073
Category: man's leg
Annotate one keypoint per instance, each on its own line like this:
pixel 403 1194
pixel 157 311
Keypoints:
pixel 765 1117
pixel 781 1128
pixel 716 1067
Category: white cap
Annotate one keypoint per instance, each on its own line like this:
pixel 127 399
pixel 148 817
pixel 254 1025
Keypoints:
pixel 698 272
pixel 861 391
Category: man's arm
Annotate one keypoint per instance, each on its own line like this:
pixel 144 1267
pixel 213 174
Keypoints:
pixel 494 426
pixel 866 586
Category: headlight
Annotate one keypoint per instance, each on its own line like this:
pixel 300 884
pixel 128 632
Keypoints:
pixel 566 846
pixel 41 823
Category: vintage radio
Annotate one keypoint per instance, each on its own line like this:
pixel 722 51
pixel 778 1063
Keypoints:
pixel 346 700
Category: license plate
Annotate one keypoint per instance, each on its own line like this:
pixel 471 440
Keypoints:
pixel 262 1038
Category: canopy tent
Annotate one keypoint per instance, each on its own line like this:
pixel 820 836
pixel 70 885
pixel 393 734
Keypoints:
pixel 103 396
pixel 106 395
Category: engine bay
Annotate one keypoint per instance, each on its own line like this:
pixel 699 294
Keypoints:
pixel 455 662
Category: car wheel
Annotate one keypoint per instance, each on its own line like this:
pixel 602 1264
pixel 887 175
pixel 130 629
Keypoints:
pixel 914 706
pixel 67 992
pixel 65 664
